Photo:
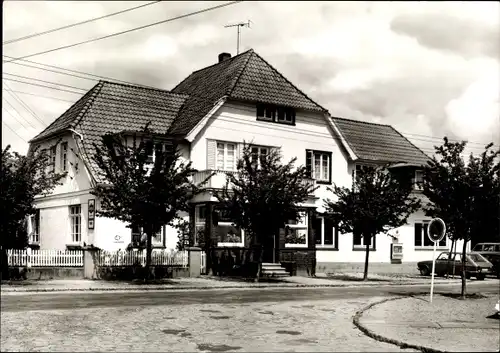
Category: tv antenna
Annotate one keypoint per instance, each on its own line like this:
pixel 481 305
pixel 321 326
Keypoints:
pixel 238 26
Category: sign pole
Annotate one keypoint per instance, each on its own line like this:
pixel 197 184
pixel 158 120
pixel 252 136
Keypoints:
pixel 433 268
pixel 436 231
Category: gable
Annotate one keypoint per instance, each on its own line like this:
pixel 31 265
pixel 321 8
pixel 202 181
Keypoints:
pixel 245 77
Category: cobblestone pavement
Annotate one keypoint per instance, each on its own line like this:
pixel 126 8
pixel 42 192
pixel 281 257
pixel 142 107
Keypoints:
pixel 323 325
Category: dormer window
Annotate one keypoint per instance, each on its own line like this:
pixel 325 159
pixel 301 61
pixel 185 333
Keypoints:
pixel 277 114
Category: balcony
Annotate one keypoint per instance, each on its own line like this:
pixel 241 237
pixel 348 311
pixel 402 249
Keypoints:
pixel 218 179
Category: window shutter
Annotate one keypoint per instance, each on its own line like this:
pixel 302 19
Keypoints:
pixel 211 147
pixel 309 162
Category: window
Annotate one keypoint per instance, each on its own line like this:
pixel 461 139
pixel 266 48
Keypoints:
pixel 296 232
pixel 419 179
pixel 226 156
pixel 258 153
pixel 52 158
pixel 358 242
pixel 282 115
pixel 326 234
pixel 319 165
pixel 136 234
pixel 421 238
pixel 139 236
pixel 34 236
pixel 75 223
pixel 227 233
pixel 64 156
pixel 199 221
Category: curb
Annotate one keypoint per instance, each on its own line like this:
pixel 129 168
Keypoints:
pixel 356 321
pixel 166 288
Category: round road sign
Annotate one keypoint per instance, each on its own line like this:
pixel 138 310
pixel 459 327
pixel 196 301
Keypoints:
pixel 436 230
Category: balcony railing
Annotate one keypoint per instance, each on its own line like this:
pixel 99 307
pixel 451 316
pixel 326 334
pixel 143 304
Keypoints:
pixel 219 178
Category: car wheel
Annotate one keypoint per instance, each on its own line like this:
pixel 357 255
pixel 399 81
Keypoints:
pixel 480 277
pixel 424 271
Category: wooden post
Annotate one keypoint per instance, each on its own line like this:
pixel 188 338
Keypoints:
pixel 28 257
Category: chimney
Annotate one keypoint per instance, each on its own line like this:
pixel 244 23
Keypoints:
pixel 224 56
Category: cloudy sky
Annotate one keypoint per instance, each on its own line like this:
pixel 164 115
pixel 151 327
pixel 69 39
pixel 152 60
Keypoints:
pixel 429 69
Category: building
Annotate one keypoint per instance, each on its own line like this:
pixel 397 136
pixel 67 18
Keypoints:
pixel 214 110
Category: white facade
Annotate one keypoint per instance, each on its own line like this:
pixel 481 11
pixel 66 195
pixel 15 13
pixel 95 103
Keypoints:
pixel 231 124
pixel 235 123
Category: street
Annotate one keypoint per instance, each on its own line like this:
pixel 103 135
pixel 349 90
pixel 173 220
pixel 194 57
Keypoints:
pixel 278 319
pixel 77 300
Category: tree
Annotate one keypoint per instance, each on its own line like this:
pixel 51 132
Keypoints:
pixel 22 178
pixel 263 196
pixel 464 195
pixel 138 192
pixel 379 201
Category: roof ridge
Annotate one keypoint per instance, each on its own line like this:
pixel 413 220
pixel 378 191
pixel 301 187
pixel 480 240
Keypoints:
pixel 217 63
pixel 361 121
pixel 95 92
pixel 283 76
pixel 231 88
pixel 71 106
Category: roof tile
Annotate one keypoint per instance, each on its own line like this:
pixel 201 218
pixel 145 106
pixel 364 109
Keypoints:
pixel 377 142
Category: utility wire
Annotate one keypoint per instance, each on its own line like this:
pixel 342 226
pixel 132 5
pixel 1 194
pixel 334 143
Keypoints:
pixel 124 32
pixel 45 86
pixel 135 84
pixel 44 81
pixel 8 89
pixel 77 24
pixel 20 115
pixel 11 129
pixel 42 96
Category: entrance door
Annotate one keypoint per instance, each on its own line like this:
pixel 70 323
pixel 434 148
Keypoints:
pixel 268 251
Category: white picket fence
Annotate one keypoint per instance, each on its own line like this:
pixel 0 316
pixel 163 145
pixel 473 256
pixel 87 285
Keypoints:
pixel 74 258
pixel 159 257
pixel 45 258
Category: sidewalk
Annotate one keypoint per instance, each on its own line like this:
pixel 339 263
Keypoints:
pixel 206 282
pixel 446 324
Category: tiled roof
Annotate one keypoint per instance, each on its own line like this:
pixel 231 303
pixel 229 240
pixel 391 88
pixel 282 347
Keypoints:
pixel 245 77
pixel 113 107
pixel 379 143
pixel 66 120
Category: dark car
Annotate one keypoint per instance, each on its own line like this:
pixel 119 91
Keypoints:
pixel 475 266
pixel 491 251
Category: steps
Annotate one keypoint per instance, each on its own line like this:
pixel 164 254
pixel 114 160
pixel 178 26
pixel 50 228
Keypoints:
pixel 273 270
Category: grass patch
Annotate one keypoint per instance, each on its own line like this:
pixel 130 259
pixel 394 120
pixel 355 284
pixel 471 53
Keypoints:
pixel 244 279
pixel 467 296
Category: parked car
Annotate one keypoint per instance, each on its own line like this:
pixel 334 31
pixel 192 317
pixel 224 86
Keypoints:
pixel 491 251
pixel 475 266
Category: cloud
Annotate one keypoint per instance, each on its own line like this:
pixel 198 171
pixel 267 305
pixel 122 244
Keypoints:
pixel 454 32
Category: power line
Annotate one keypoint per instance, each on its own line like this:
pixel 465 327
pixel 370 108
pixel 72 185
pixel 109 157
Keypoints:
pixel 124 32
pixel 20 115
pixel 25 105
pixel 11 129
pixel 76 24
pixel 112 79
pixel 42 96
pixel 136 84
pixel 44 81
pixel 48 70
pixel 45 86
